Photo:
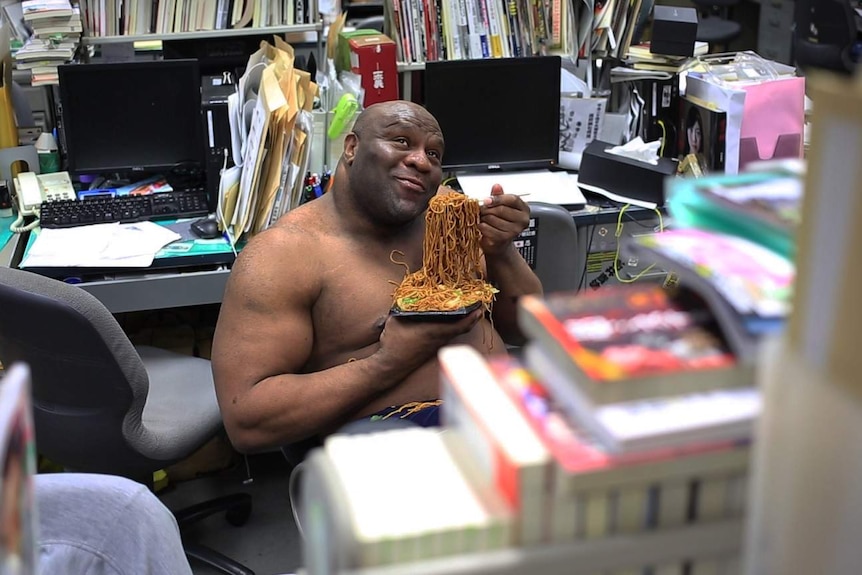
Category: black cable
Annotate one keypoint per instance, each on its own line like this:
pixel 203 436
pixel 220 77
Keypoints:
pixel 637 221
pixel 583 279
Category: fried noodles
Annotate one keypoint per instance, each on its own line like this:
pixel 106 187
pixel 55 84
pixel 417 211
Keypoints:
pixel 451 276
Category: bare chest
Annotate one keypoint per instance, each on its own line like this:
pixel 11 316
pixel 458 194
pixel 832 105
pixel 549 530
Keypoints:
pixel 354 302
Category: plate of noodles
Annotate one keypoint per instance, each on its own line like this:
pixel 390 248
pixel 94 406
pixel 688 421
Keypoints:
pixel 432 315
pixel 451 282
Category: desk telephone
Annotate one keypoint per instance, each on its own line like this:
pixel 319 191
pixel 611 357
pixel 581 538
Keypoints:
pixel 31 190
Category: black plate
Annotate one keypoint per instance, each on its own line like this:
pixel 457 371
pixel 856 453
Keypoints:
pixel 451 315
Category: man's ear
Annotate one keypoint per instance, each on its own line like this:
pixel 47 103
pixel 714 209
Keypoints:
pixel 350 143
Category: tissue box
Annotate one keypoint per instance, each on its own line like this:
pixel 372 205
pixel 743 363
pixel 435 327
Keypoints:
pixel 674 31
pixel 373 58
pixel 624 176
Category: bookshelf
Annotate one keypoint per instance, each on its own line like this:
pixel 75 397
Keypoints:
pixel 203 34
pixel 611 554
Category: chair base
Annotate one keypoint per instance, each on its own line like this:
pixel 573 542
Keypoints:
pixel 237 508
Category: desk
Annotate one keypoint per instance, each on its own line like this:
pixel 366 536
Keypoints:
pixel 597 240
pixel 8 242
pixel 140 290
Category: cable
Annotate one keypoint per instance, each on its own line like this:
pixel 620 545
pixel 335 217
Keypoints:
pixel 18 227
pixel 663 137
pixel 618 233
pixel 582 281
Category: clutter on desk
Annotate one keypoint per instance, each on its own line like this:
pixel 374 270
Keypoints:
pixel 271 136
pixel 99 245
pixel 764 102
pixel 53 38
pixel 635 173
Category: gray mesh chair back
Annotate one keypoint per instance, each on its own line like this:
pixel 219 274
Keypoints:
pixel 556 247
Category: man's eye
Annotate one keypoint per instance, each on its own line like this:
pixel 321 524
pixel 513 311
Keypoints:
pixel 401 140
pixel 434 154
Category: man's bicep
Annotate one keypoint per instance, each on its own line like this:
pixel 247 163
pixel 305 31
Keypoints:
pixel 264 330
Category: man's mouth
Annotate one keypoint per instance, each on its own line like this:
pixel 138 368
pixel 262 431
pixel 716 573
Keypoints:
pixel 412 184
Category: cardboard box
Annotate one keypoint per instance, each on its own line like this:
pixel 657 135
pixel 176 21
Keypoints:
pixel 674 31
pixel 342 51
pixel 373 58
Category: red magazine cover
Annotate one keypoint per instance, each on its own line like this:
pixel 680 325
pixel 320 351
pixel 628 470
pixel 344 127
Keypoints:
pixel 628 332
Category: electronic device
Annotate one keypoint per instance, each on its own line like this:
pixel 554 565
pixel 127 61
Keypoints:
pixel 496 114
pixel 215 90
pixel 125 209
pixel 132 117
pixel 33 190
pixel 206 229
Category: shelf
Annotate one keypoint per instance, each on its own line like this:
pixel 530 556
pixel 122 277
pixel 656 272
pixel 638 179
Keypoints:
pixel 708 541
pixel 410 66
pixel 201 34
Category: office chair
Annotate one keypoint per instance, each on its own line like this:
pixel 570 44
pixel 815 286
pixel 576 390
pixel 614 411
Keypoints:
pixel 370 23
pixel 715 24
pixel 556 247
pixel 824 34
pixel 102 405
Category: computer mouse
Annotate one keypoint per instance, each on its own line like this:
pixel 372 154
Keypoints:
pixel 206 229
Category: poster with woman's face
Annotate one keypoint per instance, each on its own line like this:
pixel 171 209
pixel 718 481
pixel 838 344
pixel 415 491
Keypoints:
pixel 702 133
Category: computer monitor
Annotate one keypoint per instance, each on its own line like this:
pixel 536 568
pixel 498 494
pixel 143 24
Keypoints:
pixel 496 114
pixel 131 117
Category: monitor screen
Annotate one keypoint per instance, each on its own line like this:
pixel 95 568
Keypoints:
pixel 132 116
pixel 498 113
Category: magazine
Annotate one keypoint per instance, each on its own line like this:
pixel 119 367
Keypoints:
pixel 18 550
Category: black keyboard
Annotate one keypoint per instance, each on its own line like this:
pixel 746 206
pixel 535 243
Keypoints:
pixel 124 209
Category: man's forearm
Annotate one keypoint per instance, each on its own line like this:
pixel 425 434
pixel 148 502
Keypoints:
pixel 287 408
pixel 514 278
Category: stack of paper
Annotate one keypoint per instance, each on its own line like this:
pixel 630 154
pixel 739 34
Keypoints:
pixel 271 123
pixel 56 32
pixel 99 245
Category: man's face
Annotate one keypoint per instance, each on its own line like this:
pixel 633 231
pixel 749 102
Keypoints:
pixel 396 164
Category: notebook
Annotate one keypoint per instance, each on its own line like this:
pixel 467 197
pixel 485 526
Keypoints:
pixel 559 188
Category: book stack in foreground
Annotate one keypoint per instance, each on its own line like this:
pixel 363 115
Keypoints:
pixel 627 417
pixel 56 26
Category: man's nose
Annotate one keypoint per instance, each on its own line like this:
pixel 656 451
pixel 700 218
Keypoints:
pixel 419 159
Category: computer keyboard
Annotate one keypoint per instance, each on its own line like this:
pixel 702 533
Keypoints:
pixel 124 209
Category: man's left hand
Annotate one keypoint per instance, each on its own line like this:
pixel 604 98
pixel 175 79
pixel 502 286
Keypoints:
pixel 503 217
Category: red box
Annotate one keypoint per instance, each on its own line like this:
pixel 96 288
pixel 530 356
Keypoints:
pixel 373 58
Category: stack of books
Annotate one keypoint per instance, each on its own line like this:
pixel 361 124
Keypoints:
pixel 56 27
pixel 639 57
pixel 640 367
pixel 626 414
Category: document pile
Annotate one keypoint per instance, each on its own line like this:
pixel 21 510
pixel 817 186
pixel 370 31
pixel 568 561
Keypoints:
pixel 56 26
pixel 271 126
pixel 99 245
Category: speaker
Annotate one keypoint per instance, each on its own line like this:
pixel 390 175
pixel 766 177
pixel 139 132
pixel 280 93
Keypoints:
pixel 216 126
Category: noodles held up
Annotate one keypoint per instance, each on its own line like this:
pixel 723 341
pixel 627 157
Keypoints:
pixel 451 276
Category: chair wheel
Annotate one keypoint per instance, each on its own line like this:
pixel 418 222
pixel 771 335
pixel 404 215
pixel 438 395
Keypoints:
pixel 238 515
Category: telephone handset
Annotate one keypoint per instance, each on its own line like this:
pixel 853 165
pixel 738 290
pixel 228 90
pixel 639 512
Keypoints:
pixel 31 190
pixel 29 194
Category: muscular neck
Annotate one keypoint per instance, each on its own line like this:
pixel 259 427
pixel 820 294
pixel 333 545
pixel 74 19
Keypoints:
pixel 357 222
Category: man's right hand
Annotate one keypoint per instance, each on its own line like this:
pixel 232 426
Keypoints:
pixel 412 343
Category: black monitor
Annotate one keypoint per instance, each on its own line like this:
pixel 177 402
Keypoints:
pixel 131 117
pixel 496 114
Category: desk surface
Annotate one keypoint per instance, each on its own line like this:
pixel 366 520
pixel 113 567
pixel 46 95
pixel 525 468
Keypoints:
pixel 149 290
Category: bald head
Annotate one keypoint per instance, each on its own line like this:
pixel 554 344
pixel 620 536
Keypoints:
pixel 390 111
